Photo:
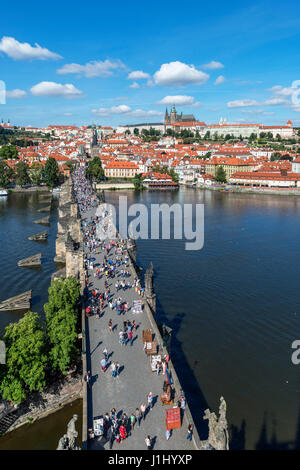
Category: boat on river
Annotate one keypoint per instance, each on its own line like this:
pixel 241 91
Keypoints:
pixel 3 192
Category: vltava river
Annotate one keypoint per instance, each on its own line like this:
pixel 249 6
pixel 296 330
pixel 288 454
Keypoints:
pixel 234 307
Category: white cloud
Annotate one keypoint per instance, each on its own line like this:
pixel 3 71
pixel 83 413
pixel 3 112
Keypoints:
pixel 180 100
pixel 178 73
pixel 138 75
pixel 219 80
pixel 121 109
pixel 126 111
pixel 213 65
pixel 150 83
pixel 282 91
pixel 275 101
pixel 134 85
pixel 258 111
pixel 242 103
pixel 55 89
pixel 17 94
pixel 141 113
pixel 95 68
pixel 68 114
pixel 24 51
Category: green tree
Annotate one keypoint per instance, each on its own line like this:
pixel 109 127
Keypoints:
pixel 138 183
pixel 275 156
pixel 6 174
pixel 22 173
pixel 36 173
pixel 26 358
pixel 51 173
pixel 8 152
pixel 94 170
pixel 220 176
pixel 61 322
pixel 136 131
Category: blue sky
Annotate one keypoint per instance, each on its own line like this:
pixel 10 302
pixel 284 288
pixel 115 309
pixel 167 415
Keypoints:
pixel 115 63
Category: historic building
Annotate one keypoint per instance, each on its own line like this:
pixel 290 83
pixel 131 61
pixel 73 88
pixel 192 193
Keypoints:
pixel 174 117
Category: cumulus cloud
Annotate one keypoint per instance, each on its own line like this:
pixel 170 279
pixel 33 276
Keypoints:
pixel 134 85
pixel 242 103
pixel 178 73
pixel 16 94
pixel 138 75
pixel 55 89
pixel 24 51
pixel 95 68
pixel 275 101
pixel 180 100
pixel 125 110
pixel 220 79
pixel 213 65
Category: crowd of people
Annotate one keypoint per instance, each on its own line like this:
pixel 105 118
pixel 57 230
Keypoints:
pixel 112 268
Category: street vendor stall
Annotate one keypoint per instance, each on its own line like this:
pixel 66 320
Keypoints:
pixel 173 418
pixel 137 306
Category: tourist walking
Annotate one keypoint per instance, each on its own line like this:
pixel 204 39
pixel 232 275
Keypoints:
pixel 150 400
pixel 148 442
pixel 132 421
pixel 103 364
pixel 190 432
pixel 143 411
pixel 138 416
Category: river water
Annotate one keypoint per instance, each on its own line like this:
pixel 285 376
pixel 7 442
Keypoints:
pixel 234 307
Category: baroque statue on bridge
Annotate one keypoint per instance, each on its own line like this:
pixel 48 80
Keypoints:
pixel 69 441
pixel 218 436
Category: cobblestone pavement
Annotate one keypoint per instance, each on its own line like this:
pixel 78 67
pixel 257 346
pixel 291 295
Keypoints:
pixel 136 379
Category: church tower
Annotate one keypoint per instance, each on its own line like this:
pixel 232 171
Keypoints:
pixel 173 115
pixel 167 119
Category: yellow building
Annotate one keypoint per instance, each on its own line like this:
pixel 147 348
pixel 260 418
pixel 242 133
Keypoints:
pixel 230 165
pixel 121 169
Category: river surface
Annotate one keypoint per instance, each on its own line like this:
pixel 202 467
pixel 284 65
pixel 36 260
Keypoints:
pixel 234 307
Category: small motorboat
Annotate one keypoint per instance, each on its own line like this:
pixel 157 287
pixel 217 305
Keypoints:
pixel 3 192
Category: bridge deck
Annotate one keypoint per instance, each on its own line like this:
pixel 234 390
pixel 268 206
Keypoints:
pixel 136 379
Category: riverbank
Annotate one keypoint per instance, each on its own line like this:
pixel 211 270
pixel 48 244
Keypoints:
pixel 244 190
pixel 40 405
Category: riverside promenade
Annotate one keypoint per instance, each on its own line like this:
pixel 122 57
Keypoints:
pixel 129 390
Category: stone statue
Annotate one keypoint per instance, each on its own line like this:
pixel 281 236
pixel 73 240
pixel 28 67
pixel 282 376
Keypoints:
pixel 69 440
pixel 101 197
pixel 149 281
pixel 131 247
pixel 218 436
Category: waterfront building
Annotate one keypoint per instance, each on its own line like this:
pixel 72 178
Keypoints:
pixel 282 179
pixel 121 169
pixel 231 165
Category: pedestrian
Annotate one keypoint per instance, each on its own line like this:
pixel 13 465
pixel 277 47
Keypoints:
pixel 143 411
pixel 190 432
pixel 123 433
pixel 148 442
pixel 150 400
pixel 110 325
pixel 113 369
pixel 138 416
pixel 103 364
pixel 105 352
pixel 130 337
pixel 87 378
pixel 132 421
pixel 168 434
